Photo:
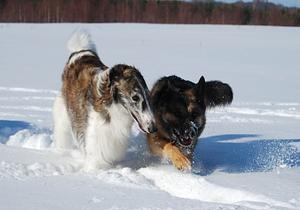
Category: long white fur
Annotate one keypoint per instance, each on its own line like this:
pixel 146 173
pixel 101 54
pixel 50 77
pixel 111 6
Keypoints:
pixel 81 40
pixel 107 142
pixel 62 133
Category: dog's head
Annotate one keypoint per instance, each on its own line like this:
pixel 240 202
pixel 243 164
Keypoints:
pixel 179 107
pixel 130 89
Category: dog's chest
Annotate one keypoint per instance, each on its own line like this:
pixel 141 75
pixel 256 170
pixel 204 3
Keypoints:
pixel 108 139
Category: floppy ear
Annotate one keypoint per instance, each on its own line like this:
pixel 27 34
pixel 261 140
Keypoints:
pixel 217 94
pixel 200 88
pixel 103 82
pixel 101 91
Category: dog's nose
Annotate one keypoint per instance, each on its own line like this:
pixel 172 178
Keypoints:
pixel 190 133
pixel 152 128
pixel 193 133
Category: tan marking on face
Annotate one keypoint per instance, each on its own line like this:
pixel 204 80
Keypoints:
pixel 162 133
pixel 191 99
pixel 124 85
pixel 127 73
pixel 170 117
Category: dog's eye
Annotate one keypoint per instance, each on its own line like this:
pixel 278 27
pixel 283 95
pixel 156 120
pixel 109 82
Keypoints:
pixel 135 98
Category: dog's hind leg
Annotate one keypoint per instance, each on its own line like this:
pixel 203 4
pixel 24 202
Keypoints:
pixel 62 133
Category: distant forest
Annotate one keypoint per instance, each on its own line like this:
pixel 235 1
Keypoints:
pixel 259 12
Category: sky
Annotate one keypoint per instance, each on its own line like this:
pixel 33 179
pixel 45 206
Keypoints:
pixel 289 3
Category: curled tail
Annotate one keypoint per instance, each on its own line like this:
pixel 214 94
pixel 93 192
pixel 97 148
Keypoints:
pixel 81 40
pixel 81 45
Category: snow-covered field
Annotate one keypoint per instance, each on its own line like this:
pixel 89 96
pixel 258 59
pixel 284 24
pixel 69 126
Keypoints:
pixel 247 158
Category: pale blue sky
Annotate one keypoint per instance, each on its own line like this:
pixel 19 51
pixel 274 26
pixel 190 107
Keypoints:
pixel 290 3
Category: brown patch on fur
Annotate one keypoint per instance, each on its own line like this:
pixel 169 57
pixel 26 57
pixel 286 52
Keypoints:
pixel 124 85
pixel 180 161
pixel 80 89
pixel 100 102
pixel 156 143
pixel 127 73
pixel 191 99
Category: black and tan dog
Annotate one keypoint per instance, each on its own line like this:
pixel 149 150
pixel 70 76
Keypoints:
pixel 179 108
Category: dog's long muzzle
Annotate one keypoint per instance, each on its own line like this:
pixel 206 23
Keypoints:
pixel 149 128
pixel 146 122
pixel 148 125
pixel 152 128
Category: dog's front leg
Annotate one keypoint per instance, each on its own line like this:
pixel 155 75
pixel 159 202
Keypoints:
pixel 180 161
pixel 162 147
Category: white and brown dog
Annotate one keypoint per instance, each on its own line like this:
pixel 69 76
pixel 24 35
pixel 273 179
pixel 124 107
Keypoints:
pixel 98 105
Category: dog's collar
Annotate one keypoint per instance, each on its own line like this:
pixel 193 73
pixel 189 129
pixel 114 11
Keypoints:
pixel 81 51
pixel 92 53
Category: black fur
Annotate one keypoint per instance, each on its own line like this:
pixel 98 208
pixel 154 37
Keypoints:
pixel 179 108
pixel 217 93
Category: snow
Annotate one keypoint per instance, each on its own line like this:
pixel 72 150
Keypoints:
pixel 287 3
pixel 25 138
pixel 247 158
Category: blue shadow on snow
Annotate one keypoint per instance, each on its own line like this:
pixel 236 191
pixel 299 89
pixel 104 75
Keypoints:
pixel 8 128
pixel 219 152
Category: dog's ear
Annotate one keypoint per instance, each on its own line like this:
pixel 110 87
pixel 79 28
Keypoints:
pixel 160 90
pixel 115 73
pixel 103 81
pixel 217 93
pixel 169 86
pixel 200 88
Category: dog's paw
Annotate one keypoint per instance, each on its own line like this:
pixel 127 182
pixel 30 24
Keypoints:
pixel 180 161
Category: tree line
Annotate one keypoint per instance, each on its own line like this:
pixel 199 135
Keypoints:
pixel 258 12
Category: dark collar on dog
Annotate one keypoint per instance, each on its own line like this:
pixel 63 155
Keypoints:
pixel 99 62
pixel 81 51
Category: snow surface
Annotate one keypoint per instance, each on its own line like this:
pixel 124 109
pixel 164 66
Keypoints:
pixel 288 3
pixel 247 158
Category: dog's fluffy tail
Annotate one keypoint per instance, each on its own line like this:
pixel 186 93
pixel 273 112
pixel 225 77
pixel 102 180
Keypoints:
pixel 217 94
pixel 81 40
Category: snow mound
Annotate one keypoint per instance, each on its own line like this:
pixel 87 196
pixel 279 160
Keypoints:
pixel 8 127
pixel 125 177
pixel 30 139
pixel 194 187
